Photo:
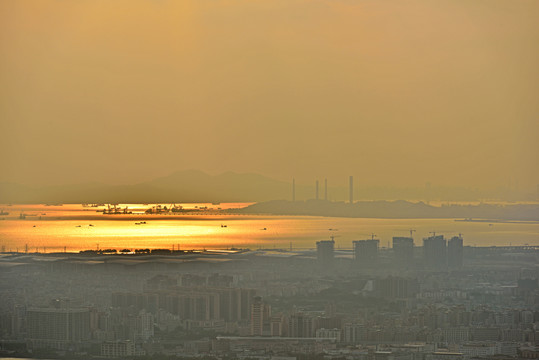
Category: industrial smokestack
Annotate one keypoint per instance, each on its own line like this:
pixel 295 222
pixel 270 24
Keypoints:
pixel 326 189
pixel 316 189
pixel 351 189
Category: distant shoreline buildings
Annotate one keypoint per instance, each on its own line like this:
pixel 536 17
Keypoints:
pixel 438 253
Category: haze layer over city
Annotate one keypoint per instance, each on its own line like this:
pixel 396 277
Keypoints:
pixel 284 179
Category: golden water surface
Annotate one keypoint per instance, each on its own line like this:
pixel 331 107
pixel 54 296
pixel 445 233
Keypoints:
pixel 74 227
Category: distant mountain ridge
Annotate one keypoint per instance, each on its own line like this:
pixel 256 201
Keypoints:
pixel 180 186
pixel 198 186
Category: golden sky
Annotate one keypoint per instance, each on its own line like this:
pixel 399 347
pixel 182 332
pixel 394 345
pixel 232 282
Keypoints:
pixel 393 92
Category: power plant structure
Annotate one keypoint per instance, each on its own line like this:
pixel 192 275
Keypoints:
pixel 317 194
pixel 351 193
pixel 326 189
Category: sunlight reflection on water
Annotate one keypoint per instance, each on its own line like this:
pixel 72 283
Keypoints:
pixel 78 228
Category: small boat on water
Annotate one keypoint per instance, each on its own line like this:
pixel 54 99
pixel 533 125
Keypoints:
pixel 223 226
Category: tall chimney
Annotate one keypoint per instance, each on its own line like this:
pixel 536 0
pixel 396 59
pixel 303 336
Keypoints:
pixel 326 189
pixel 351 189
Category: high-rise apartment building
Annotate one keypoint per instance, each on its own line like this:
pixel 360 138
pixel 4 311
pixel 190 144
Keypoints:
pixel 455 252
pixel 435 252
pixel 366 251
pixel 300 325
pixel 260 317
pixel 57 328
pixel 403 251
pixel 325 252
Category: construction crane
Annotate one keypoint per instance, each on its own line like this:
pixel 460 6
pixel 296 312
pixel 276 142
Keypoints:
pixel 332 237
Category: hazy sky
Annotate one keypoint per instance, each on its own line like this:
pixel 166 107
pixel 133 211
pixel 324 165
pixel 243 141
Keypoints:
pixel 393 92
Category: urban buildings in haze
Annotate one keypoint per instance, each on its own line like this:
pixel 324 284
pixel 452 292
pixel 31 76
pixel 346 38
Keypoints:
pixel 366 252
pixel 325 251
pixel 403 251
pixel 270 303
pixel 57 327
pixel 455 252
pixel 435 252
pixel 260 317
pixel 440 254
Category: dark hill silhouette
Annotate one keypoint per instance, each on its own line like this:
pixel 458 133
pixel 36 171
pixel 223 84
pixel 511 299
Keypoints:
pixel 395 209
pixel 181 186
pixel 197 186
